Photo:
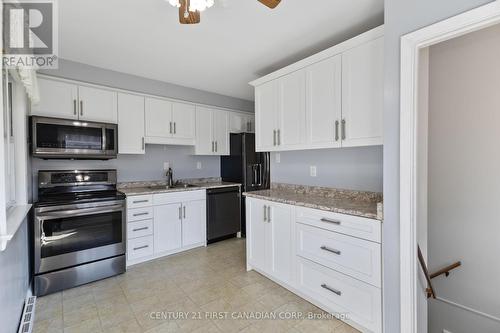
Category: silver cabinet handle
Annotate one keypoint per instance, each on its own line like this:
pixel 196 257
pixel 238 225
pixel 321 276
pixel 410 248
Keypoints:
pixel 274 137
pixel 140 201
pixel 328 249
pixel 140 229
pixel 213 149
pixel 141 214
pixel 74 107
pixel 249 126
pixel 265 213
pixel 175 127
pixel 324 219
pixel 170 129
pixel 268 213
pixel 336 130
pixel 81 108
pixel 184 211
pixel 279 137
pixel 143 144
pixel 180 213
pixel 141 247
pixel 216 146
pixel 343 129
pixel 333 290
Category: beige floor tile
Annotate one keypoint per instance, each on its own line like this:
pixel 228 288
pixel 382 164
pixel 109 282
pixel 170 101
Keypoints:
pixel 128 326
pixel 90 325
pixel 344 328
pixel 77 302
pixel 168 327
pixel 114 315
pixel 79 315
pixel 320 326
pixel 54 324
pixel 77 291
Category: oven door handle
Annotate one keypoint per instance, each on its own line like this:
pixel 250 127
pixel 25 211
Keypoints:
pixel 79 212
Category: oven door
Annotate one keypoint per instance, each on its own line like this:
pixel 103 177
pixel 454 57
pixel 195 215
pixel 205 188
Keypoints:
pixel 73 235
pixel 63 138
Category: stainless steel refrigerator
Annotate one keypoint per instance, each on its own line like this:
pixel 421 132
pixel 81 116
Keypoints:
pixel 245 166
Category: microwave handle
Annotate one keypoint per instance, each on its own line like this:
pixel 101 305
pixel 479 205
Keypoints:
pixel 79 212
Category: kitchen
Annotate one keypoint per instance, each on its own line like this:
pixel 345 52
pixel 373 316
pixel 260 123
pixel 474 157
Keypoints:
pixel 207 203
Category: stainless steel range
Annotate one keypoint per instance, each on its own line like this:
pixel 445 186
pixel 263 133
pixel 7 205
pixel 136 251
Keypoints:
pixel 79 229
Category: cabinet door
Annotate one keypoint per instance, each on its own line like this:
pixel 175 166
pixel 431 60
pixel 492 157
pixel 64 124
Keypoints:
pixel 281 241
pixel 292 114
pixel 183 118
pixel 237 122
pixel 158 118
pixel 204 131
pixel 98 104
pixel 257 233
pixel 221 132
pixel 362 94
pixel 193 222
pixel 324 103
pixel 57 99
pixel 167 228
pixel 130 124
pixel 266 116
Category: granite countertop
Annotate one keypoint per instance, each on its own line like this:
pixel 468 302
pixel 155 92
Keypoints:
pixel 357 203
pixel 139 188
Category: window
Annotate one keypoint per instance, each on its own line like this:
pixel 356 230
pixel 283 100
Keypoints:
pixel 9 142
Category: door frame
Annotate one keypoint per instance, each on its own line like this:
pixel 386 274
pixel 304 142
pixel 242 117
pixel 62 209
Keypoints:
pixel 411 45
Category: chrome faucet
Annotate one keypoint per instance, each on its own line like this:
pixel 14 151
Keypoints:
pixel 170 177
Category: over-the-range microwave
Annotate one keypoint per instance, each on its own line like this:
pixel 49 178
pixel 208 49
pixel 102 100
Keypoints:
pixel 55 138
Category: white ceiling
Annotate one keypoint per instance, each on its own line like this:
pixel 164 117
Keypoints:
pixel 236 42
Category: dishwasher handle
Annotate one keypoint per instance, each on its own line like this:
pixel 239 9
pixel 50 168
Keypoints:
pixel 235 189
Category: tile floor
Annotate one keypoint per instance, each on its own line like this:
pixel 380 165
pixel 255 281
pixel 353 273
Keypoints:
pixel 200 283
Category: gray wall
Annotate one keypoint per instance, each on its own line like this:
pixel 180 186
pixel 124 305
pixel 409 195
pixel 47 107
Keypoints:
pixel 464 187
pixel 14 280
pixel 144 167
pixel 349 168
pixel 90 74
pixel 401 17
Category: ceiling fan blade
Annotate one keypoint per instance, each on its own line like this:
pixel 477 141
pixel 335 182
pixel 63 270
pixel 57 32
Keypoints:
pixel 270 3
pixel 191 17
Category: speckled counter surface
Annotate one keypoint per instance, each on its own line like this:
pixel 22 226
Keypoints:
pixel 357 203
pixel 139 188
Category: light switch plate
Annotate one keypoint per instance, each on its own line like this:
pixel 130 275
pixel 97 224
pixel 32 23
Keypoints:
pixel 198 165
pixel 313 171
pixel 277 157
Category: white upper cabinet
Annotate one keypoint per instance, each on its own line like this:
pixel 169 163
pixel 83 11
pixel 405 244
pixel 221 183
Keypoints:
pixel 61 99
pixel 329 100
pixel 130 124
pixel 98 104
pixel 241 123
pixel 183 120
pixel 324 103
pixel 212 131
pixel 57 99
pixel 158 118
pixel 169 122
pixel 363 94
pixel 291 129
pixel 266 116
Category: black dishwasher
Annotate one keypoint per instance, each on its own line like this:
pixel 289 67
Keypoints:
pixel 223 213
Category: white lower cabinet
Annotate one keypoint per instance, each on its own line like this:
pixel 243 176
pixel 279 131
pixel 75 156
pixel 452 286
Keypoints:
pixel 332 260
pixel 163 224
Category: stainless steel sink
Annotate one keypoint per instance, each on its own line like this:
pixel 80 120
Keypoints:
pixel 176 186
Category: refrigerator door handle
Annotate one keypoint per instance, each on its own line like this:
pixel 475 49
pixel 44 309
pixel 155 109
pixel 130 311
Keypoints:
pixel 254 175
pixel 259 166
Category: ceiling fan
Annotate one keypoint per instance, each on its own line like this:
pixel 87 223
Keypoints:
pixel 189 10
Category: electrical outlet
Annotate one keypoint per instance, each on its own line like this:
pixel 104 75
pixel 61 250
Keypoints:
pixel 198 165
pixel 312 171
pixel 166 165
pixel 277 157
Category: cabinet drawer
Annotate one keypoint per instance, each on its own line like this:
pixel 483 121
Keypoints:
pixel 139 247
pixel 360 302
pixel 138 214
pixel 345 224
pixel 349 255
pixel 177 197
pixel 138 201
pixel 139 229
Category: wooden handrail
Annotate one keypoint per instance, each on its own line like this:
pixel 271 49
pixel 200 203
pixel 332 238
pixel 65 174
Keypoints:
pixel 430 290
pixel 446 270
